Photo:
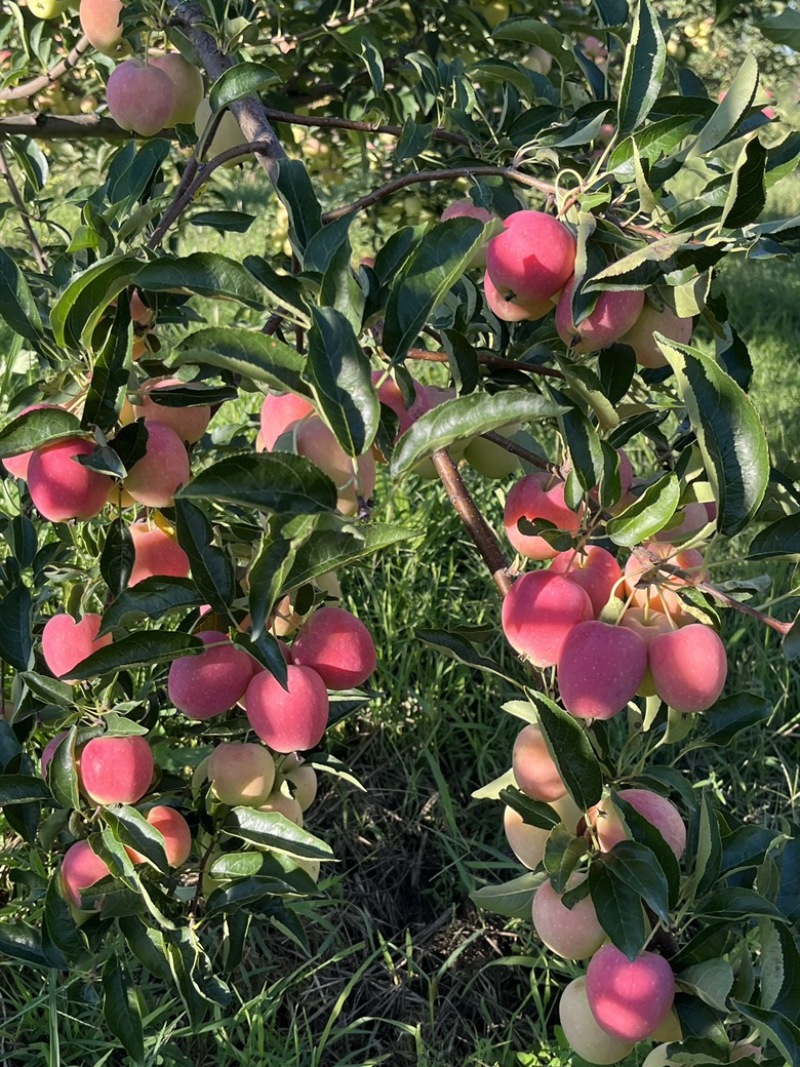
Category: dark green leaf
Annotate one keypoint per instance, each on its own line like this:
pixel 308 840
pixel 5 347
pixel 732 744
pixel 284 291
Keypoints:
pixel 730 111
pixel 121 1009
pixel 275 831
pixel 511 898
pixel 748 192
pixel 62 771
pixel 16 639
pixel 465 417
pixel 22 789
pixel 572 752
pixel 144 649
pixel 736 904
pixel 619 909
pixel 783 28
pixel 325 243
pixel 110 374
pixel 21 942
pixel 224 221
pixel 150 599
pixel 637 867
pixel 212 570
pixel 17 306
pixel 734 713
pixel 782 1032
pixel 453 644
pixel 80 307
pixel 206 274
pixel 781 540
pixel 643 69
pixel 711 980
pixel 441 257
pixel 533 812
pixel 274 481
pixel 60 927
pixel 296 192
pixel 117 557
pixel 131 828
pixel 267 651
pixel 729 433
pixel 327 550
pixel 649 514
pixel 238 81
pixel 249 353
pixel 36 428
pixel 339 373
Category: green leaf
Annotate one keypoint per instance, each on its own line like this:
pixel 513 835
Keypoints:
pixel 637 867
pixel 275 831
pixel 150 599
pixel 144 649
pixel 339 373
pixel 62 771
pixel 206 274
pixel 212 570
pixel 533 812
pixel 711 980
pixel 780 968
pixel 17 307
pixel 117 557
pixel 121 1009
pixel 21 942
pixel 783 28
pixel 110 374
pixel 37 428
pixel 274 481
pixel 730 111
pixel 76 313
pixel 60 928
pixel 327 550
pixel 729 433
pixel 645 833
pixel 734 713
pixel 747 195
pixel 325 243
pixel 782 1032
pixel 297 195
pixel 238 81
pixel 569 745
pixel 268 572
pixel 512 898
pixel 223 221
pixel 643 69
pixel 533 31
pixel 619 909
pixel 441 257
pixel 464 417
pixel 131 828
pixel 267 651
pixel 737 903
pixel 16 639
pixel 22 789
pixel 781 540
pixel 649 514
pixel 247 352
pixel 461 650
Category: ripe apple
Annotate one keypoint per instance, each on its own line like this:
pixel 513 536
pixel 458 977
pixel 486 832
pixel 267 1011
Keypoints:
pixel 538 613
pixel 174 828
pixel 292 719
pixel 651 321
pixel 629 999
pixel 140 98
pixel 532 258
pixel 582 1031
pixel 689 667
pixel 155 553
pixel 80 869
pixel 538 496
pixel 660 812
pixel 60 487
pixel 100 21
pixel 572 933
pixel 116 770
pixel 66 643
pixel 212 682
pixel 613 315
pixel 535 770
pixel 594 569
pixel 338 646
pixel 599 669
pixel 241 773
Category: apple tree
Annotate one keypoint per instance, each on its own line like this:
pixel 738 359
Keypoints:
pixel 196 440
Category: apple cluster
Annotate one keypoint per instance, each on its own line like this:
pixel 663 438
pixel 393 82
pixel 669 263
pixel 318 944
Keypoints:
pixel 556 617
pixel 530 269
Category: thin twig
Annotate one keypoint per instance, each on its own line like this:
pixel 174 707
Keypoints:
pixel 476 525
pixel 447 175
pixel 38 252
pixel 332 122
pixel 37 85
pixel 488 361
pixel 522 452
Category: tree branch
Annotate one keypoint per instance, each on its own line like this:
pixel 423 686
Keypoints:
pixel 38 252
pixel 488 361
pixel 249 111
pixel 43 126
pixel 447 175
pixel 37 85
pixel 476 525
pixel 522 452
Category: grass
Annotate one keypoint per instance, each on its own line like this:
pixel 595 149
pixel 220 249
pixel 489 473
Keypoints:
pixel 401 968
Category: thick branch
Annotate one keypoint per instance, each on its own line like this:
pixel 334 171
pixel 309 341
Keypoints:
pixel 5 171
pixel 488 361
pixel 447 175
pixel 38 85
pixel 43 126
pixel 476 525
pixel 249 111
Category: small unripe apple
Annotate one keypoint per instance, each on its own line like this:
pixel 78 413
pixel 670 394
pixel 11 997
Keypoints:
pixel 48 9
pixel 241 773
pixel 582 1031
pixel 572 933
pixel 651 321
pixel 535 770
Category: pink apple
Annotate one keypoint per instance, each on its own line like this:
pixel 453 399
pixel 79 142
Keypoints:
pixel 66 643
pixel 689 667
pixel 538 613
pixel 629 999
pixel 599 668
pixel 538 496
pixel 594 569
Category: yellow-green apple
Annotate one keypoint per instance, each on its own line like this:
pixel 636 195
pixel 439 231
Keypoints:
pixel 652 321
pixel 241 773
pixel 528 842
pixel 187 84
pixel 227 135
pixel 535 770
pixel 582 1031
pixel 573 933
